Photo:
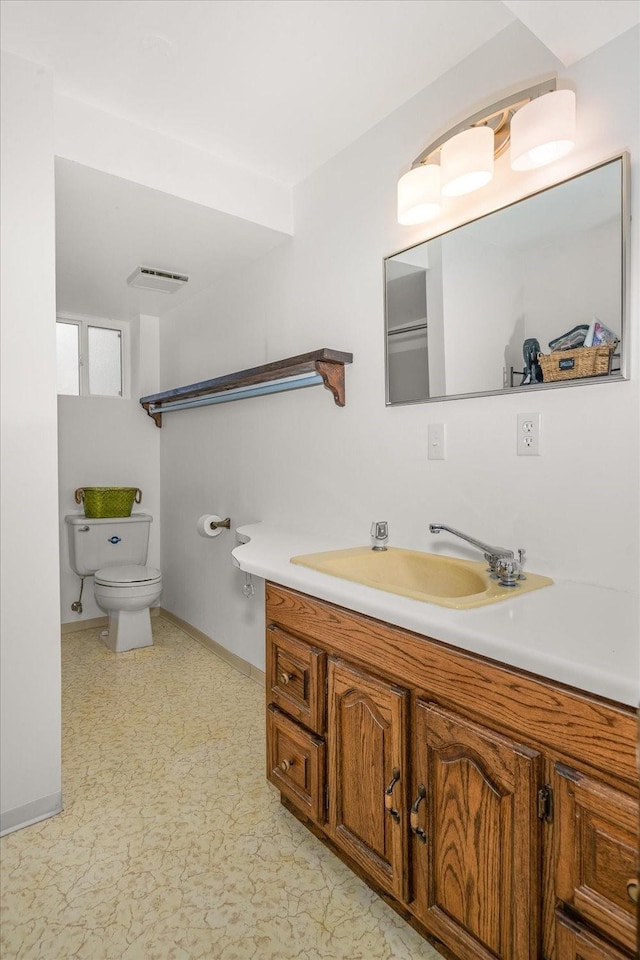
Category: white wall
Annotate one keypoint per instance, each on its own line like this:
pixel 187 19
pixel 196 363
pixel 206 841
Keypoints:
pixel 298 460
pixel 114 145
pixel 108 441
pixel 482 295
pixel 568 295
pixel 30 645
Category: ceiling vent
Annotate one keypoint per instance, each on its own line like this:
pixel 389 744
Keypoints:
pixel 162 281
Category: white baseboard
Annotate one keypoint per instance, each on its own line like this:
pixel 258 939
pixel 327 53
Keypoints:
pixel 73 626
pixel 28 813
pixel 242 666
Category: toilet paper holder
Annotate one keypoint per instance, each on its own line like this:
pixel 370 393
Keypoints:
pixel 218 524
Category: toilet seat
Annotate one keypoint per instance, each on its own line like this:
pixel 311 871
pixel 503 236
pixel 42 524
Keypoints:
pixel 131 574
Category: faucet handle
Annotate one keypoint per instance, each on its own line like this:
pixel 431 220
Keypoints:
pixel 509 571
pixel 379 534
pixel 521 558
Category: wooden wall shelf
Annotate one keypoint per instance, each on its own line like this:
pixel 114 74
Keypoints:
pixel 306 370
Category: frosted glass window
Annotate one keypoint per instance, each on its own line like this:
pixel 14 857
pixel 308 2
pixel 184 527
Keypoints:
pixel 92 357
pixel 105 362
pixel 68 357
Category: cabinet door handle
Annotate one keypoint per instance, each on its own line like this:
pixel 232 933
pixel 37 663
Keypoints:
pixel 284 678
pixel 388 796
pixel 285 765
pixel 413 816
pixel 632 890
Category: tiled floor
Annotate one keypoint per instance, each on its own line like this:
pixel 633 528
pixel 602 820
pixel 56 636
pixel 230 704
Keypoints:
pixel 172 846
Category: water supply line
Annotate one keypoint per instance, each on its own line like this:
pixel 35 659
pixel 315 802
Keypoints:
pixel 248 588
pixel 76 606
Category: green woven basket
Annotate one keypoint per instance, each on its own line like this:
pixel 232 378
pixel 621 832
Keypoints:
pixel 108 501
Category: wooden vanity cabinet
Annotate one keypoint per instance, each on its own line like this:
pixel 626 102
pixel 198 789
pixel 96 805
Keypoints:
pixel 596 854
pixel 495 810
pixel 295 763
pixel 296 697
pixel 295 678
pixel 576 942
pixel 476 869
pixel 367 767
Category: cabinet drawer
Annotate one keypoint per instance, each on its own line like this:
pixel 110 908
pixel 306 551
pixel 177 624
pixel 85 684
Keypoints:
pixel 296 676
pixel 575 942
pixel 597 853
pixel 295 763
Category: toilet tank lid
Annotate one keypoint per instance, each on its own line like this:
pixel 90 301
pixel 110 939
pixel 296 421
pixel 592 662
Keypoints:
pixel 127 573
pixel 79 518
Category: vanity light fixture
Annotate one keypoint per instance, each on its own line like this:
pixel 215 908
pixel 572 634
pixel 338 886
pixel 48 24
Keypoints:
pixel 419 194
pixel 467 161
pixel 543 130
pixel 537 124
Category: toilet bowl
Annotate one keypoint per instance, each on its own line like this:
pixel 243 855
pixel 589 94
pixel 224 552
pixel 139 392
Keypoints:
pixel 126 593
pixel 113 550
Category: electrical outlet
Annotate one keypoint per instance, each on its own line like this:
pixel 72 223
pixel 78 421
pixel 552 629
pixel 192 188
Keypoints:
pixel 528 438
pixel 436 441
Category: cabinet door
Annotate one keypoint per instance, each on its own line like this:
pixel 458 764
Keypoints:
pixel 575 942
pixel 367 766
pixel 596 855
pixel 476 837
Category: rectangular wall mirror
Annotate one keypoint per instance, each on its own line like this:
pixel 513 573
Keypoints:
pixel 469 312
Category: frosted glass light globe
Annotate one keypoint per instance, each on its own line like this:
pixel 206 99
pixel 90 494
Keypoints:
pixel 467 161
pixel 543 130
pixel 419 195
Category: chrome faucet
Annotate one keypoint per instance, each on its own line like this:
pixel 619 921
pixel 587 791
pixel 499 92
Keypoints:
pixel 379 535
pixel 502 562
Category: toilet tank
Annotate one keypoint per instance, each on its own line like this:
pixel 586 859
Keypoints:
pixel 109 542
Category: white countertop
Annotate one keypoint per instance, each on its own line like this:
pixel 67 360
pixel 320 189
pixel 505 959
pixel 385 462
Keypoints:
pixel 574 633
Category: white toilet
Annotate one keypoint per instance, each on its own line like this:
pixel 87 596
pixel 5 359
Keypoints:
pixel 114 552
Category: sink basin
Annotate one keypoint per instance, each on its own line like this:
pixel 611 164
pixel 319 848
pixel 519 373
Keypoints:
pixel 430 577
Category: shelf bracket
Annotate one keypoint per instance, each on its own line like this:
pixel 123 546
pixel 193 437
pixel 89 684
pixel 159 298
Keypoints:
pixel 333 378
pixel 156 417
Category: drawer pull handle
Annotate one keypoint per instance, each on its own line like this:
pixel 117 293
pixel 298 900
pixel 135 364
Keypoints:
pixel 388 796
pixel 284 678
pixel 413 817
pixel 285 765
pixel 632 890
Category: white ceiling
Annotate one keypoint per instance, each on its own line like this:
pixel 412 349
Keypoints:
pixel 278 86
pixel 573 30
pixel 107 226
pixel 273 86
